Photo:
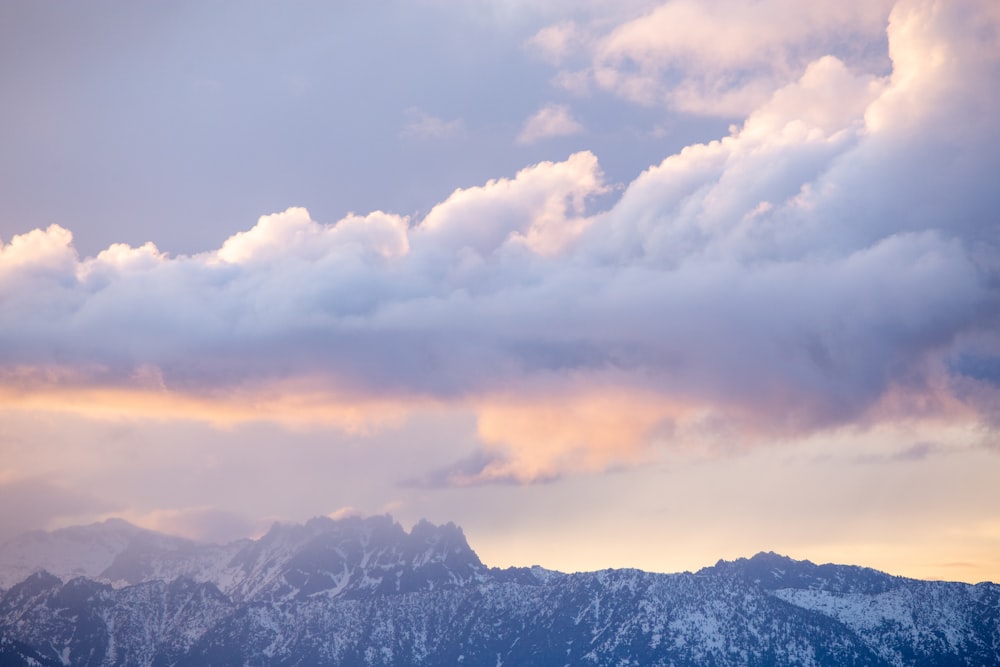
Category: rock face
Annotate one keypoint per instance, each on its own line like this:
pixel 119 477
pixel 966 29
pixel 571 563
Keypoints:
pixel 365 592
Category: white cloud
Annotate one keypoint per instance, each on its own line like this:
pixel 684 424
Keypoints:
pixel 542 207
pixel 727 196
pixel 37 250
pixel 552 120
pixel 293 232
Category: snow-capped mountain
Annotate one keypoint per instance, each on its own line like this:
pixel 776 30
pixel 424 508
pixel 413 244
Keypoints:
pixel 366 592
pixel 350 558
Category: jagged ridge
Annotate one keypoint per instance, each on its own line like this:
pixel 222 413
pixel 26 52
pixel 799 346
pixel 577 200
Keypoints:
pixel 365 592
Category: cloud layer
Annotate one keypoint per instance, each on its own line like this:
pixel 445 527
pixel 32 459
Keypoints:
pixel 832 262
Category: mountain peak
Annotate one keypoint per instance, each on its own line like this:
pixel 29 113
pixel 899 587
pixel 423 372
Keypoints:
pixel 774 571
pixel 353 556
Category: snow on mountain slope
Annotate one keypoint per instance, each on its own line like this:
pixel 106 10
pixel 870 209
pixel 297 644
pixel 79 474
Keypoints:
pixel 367 592
pixel 148 560
pixel 773 571
pixel 350 557
pixel 916 619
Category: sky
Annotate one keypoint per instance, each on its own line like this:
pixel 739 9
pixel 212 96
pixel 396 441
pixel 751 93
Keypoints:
pixel 645 283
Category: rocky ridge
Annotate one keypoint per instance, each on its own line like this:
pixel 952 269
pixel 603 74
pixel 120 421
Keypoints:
pixel 366 592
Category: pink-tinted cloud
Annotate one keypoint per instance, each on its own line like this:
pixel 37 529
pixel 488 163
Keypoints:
pixel 831 262
pixel 552 120
pixel 203 524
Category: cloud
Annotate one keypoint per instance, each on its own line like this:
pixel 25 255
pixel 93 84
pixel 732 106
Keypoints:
pixel 571 432
pixel 38 250
pixel 542 209
pixel 555 43
pixel 823 265
pixel 422 125
pixel 345 512
pixel 203 524
pixel 543 433
pixel 468 471
pixel 722 57
pixel 292 232
pixel 916 452
pixel 301 400
pixel 552 120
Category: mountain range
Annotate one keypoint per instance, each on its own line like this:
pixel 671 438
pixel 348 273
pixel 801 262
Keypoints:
pixel 364 591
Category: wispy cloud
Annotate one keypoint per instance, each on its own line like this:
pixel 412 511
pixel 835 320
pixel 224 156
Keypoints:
pixel 203 524
pixel 552 120
pixel 422 125
pixel 918 451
